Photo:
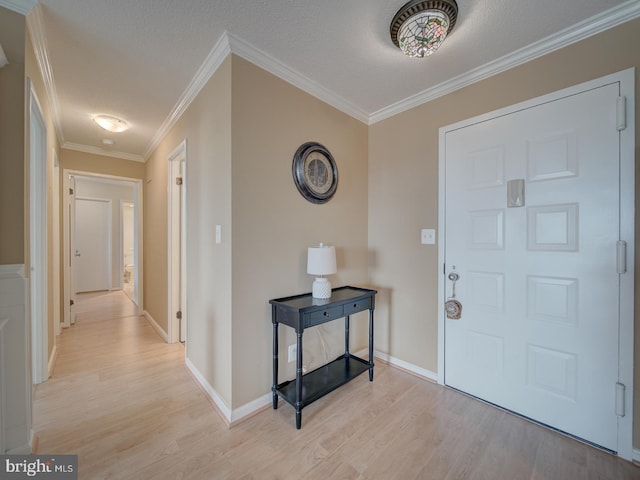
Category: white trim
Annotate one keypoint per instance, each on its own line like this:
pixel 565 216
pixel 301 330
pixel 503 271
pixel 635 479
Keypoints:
pixel 38 182
pixel 225 411
pixel 214 59
pixel 409 367
pixel 244 49
pixel 55 243
pixel 177 232
pixel 20 6
pixel 52 360
pixel 570 35
pixel 636 455
pixel 251 408
pixel 26 449
pixel 12 271
pixel 233 416
pixel 156 326
pixel 100 151
pixel 626 80
pixel 229 43
pixel 3 401
pixel 35 24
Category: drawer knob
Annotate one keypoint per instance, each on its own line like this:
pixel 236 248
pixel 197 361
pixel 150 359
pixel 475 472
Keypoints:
pixel 326 314
pixel 355 305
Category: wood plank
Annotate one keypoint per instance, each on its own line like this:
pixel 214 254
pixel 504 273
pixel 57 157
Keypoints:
pixel 123 401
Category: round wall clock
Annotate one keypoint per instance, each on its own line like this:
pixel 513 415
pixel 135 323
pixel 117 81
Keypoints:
pixel 315 172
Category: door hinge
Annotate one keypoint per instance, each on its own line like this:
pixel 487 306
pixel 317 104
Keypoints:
pixel 620 406
pixel 71 303
pixel 71 191
pixel 621 257
pixel 178 180
pixel 621 113
pixel 179 315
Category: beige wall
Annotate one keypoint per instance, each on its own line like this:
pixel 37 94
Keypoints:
pixel 403 189
pixel 12 151
pixel 206 125
pixel 273 224
pixel 242 132
pixel 100 164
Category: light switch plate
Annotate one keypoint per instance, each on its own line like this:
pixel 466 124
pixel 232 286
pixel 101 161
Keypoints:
pixel 218 233
pixel 428 236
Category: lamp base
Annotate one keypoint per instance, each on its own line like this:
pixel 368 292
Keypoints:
pixel 321 288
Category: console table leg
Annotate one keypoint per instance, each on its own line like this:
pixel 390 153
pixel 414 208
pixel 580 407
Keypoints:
pixel 371 345
pixel 275 366
pixel 346 335
pixel 299 382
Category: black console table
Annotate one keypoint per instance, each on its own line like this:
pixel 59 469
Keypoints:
pixel 304 311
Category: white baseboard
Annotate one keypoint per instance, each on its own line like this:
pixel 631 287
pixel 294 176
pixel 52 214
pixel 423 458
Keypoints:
pixel 222 407
pixel 52 360
pixel 155 326
pixel 230 416
pixel 409 367
pixel 636 456
pixel 251 408
pixel 26 449
pixel 233 416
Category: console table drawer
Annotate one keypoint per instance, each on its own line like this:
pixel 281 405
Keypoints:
pixel 357 306
pixel 322 316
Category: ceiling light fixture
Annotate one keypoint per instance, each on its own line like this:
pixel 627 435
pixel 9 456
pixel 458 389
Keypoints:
pixel 112 124
pixel 420 27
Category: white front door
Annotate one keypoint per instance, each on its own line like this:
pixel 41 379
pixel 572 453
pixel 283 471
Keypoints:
pixel 92 265
pixel 532 217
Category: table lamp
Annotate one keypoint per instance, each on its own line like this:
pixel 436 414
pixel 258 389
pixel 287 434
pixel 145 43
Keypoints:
pixel 321 260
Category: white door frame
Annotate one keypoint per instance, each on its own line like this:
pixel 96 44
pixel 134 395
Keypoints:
pixel 177 237
pixel 38 234
pixel 626 79
pixel 66 252
pixel 55 227
pixel 123 204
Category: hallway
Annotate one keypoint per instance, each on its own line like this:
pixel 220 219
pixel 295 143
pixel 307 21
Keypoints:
pixel 123 401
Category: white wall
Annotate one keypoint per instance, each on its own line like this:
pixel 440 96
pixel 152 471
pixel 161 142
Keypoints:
pixel 114 191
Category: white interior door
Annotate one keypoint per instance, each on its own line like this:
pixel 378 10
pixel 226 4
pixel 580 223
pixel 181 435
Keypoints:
pixel 538 283
pixel 92 255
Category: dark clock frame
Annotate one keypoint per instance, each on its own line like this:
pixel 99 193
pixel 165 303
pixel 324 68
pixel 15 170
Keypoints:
pixel 299 177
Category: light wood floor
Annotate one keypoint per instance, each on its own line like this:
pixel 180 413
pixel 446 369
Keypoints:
pixel 123 401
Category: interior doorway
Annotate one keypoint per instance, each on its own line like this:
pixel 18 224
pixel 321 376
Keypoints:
pixel 105 188
pixel 127 239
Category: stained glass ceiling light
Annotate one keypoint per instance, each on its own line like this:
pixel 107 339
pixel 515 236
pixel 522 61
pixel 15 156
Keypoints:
pixel 420 27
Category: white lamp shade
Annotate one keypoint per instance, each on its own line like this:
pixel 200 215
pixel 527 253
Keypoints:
pixel 321 260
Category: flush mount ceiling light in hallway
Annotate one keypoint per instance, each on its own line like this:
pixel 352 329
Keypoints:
pixel 112 124
pixel 420 27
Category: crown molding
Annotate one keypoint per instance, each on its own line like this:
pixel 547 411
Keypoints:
pixel 20 6
pixel 78 147
pixel 580 31
pixel 211 63
pixel 270 64
pixel 35 24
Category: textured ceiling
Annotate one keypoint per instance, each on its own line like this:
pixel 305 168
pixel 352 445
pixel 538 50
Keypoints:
pixel 136 59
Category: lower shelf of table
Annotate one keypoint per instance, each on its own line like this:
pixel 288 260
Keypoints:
pixel 323 380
